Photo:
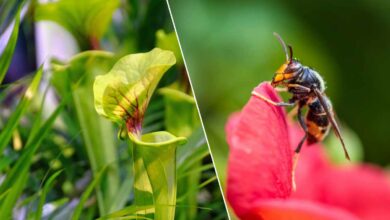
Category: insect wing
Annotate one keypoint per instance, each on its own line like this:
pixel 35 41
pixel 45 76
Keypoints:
pixel 332 120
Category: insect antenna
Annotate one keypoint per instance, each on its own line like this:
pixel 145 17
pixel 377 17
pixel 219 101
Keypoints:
pixel 288 58
pixel 291 53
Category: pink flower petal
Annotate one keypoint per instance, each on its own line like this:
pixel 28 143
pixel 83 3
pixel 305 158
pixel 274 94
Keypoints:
pixel 259 172
pixel 277 209
pixel 260 163
pixel 363 190
pixel 312 160
pixel 231 127
pixel 360 189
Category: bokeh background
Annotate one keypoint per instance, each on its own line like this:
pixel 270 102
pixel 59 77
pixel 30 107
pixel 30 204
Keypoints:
pixel 229 49
pixel 63 36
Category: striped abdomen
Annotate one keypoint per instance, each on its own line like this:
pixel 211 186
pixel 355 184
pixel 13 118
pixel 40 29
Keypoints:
pixel 317 121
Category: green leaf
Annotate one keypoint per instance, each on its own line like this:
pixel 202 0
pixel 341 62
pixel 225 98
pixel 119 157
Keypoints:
pixel 154 116
pixel 77 78
pixel 189 173
pixel 13 121
pixel 208 181
pixel 46 188
pixel 81 69
pixel 196 142
pixel 6 56
pixel 197 156
pixel 169 42
pixel 4 194
pixel 195 170
pixel 181 114
pixel 18 175
pixel 130 211
pixel 190 192
pixel 86 20
pixel 9 9
pixel 11 197
pixel 155 172
pixel 87 193
pixel 123 193
pixel 123 94
pixel 4 162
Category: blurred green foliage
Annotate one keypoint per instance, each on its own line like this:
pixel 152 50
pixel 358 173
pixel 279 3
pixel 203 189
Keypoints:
pixel 8 12
pixel 6 55
pixel 87 21
pixel 181 113
pixel 76 78
pixel 69 164
pixel 168 41
pixel 229 49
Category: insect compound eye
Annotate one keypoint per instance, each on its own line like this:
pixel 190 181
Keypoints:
pixel 293 67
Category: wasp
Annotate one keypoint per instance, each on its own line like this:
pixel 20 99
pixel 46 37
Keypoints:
pixel 308 90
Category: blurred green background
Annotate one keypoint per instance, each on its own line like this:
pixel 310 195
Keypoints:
pixel 229 49
pixel 71 163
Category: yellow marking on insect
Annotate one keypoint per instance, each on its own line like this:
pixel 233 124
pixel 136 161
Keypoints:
pixel 281 69
pixel 288 75
pixel 313 127
pixel 278 77
pixel 315 130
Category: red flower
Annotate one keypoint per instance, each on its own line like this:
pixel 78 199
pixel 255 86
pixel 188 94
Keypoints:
pixel 260 165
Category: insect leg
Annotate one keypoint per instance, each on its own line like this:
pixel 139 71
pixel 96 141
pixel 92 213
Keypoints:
pixel 304 126
pixel 298 149
pixel 254 93
pixel 299 87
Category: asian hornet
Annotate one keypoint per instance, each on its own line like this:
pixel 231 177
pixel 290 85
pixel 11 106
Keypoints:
pixel 307 88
